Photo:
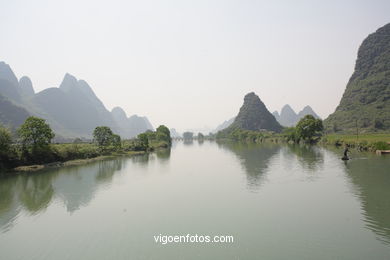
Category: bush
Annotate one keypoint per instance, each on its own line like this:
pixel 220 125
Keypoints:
pixel 381 146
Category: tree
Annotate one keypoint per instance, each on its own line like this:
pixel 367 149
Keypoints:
pixel 200 136
pixel 144 140
pixel 5 140
pixel 102 135
pixel 163 134
pixel 188 135
pixel 116 141
pixel 36 132
pixel 308 128
pixel 290 134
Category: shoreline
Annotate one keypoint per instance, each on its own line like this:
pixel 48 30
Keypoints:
pixel 75 162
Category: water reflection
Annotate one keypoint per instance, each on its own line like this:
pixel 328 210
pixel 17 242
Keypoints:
pixel 188 142
pixel 163 154
pixel 309 157
pixel 74 186
pixel 254 158
pixel 371 180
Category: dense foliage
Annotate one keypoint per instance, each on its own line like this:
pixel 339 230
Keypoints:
pixel 153 139
pixel 103 136
pixel 35 132
pixel 309 129
pixel 365 105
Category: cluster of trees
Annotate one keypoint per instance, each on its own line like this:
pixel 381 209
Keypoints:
pixel 32 144
pixel 308 130
pixel 238 134
pixel 188 135
pixel 33 139
pixel 104 137
pixel 159 138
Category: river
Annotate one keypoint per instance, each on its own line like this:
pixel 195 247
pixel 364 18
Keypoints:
pixel 276 201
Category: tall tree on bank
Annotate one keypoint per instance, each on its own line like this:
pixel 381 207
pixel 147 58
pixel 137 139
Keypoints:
pixel 35 132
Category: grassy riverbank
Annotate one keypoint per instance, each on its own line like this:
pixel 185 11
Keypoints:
pixel 368 142
pixel 67 154
pixel 364 142
pixel 38 167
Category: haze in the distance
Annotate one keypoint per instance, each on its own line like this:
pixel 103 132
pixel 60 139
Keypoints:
pixel 188 64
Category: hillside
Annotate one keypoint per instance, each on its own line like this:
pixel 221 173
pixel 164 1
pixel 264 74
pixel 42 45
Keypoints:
pixel 11 115
pixel 366 101
pixel 254 115
pixel 72 109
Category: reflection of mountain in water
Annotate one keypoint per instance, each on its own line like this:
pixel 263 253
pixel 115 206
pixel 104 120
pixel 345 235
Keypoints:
pixel 372 180
pixel 255 158
pixel 75 186
pixel 309 157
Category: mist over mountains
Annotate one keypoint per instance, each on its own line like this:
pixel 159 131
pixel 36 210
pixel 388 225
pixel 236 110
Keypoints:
pixel 288 117
pixel 72 109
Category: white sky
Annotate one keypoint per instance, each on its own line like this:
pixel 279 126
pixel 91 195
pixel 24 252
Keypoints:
pixel 188 64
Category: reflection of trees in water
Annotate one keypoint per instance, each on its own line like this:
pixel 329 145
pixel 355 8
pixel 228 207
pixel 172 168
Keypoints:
pixel 75 186
pixel 163 154
pixel 141 159
pixel 108 168
pixel 188 142
pixel 36 191
pixel 254 157
pixel 9 209
pixel 309 157
pixel 371 177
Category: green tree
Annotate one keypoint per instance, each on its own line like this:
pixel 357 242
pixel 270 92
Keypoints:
pixel 36 132
pixel 102 135
pixel 188 135
pixel 200 136
pixel 5 140
pixel 116 141
pixel 163 134
pixel 144 140
pixel 309 129
pixel 290 134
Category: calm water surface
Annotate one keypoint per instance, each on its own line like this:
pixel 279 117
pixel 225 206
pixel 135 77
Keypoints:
pixel 279 202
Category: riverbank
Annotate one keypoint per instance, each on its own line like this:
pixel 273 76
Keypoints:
pixel 363 142
pixel 71 154
pixel 39 167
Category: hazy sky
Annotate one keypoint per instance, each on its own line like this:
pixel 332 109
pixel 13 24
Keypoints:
pixel 188 64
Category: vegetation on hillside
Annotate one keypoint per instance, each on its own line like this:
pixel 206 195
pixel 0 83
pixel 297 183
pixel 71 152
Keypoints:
pixel 365 105
pixel 254 116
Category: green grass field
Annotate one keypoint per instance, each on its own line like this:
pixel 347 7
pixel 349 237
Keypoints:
pixel 366 141
pixel 370 138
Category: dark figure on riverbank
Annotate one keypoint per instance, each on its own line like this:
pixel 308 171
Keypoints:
pixel 345 157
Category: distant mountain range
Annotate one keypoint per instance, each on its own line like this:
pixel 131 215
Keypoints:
pixel 288 117
pixel 72 109
pixel 365 103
